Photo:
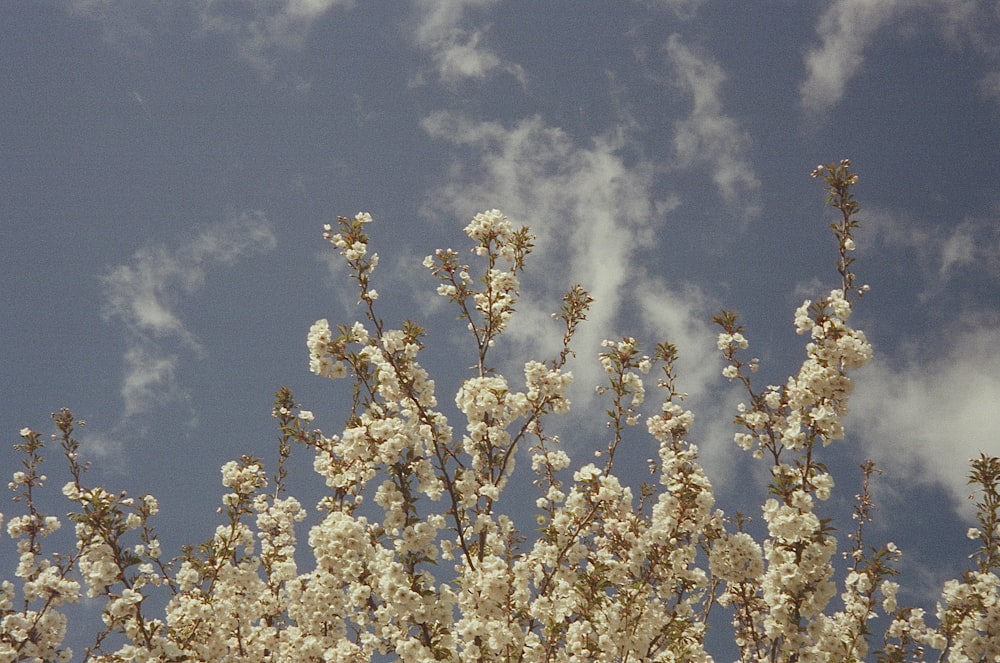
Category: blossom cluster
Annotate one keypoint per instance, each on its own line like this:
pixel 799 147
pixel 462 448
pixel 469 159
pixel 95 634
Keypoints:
pixel 414 554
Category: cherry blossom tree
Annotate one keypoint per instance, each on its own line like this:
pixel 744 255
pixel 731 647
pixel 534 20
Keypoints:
pixel 413 556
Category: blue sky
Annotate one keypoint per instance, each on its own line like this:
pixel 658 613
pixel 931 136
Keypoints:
pixel 168 167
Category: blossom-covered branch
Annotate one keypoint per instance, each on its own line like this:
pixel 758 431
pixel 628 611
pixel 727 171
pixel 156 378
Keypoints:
pixel 417 551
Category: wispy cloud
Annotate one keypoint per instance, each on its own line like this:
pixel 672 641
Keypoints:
pixel 681 316
pixel 144 295
pixel 708 135
pixel 124 25
pixel 683 9
pixel 927 418
pixel 593 214
pixel 929 408
pixel 848 27
pixel 989 86
pixel 457 52
pixel 940 252
pixel 261 32
pixel 845 30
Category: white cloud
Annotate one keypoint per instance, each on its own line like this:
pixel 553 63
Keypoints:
pixel 458 52
pixel 970 22
pixel 150 378
pixel 958 249
pixel 144 295
pixel 708 135
pixel 682 317
pixel 592 213
pixel 845 29
pixel 683 9
pixel 940 252
pixel 989 86
pixel 124 25
pixel 848 27
pixel 926 419
pixel 260 31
